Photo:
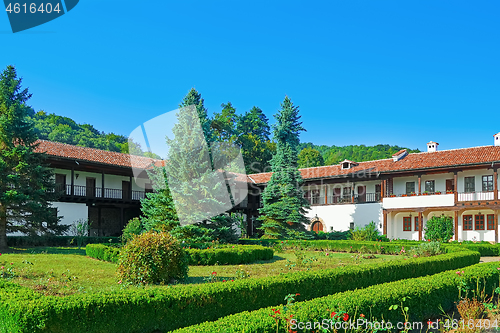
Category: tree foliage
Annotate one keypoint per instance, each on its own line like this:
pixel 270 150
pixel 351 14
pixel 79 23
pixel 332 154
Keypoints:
pixel 439 228
pixel 26 183
pixel 310 157
pixel 283 211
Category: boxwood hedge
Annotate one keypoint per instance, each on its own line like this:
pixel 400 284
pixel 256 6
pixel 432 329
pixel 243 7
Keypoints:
pixel 168 308
pixel 423 296
pixel 228 255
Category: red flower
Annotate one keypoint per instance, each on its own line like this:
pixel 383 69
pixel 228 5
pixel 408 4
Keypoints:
pixel 333 314
pixel 362 315
pixel 214 273
pixel 297 294
pixel 223 280
pixel 346 317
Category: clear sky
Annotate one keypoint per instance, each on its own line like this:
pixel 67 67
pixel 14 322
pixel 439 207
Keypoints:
pixel 362 72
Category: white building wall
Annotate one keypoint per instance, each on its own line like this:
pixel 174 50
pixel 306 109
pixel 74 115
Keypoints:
pixel 71 212
pixel 339 217
pixel 478 174
pixel 476 235
pixel 436 200
pixel 110 181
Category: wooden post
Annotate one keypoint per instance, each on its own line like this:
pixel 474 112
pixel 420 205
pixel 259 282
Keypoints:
pixel 456 223
pixel 326 194
pixel 419 184
pixel 496 226
pixel 72 181
pixel 382 189
pixel 102 185
pixel 495 184
pixel 352 193
pixel 420 225
pixel 130 189
pixel 455 185
pixel 384 228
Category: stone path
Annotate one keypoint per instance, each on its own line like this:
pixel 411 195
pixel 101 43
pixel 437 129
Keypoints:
pixel 489 259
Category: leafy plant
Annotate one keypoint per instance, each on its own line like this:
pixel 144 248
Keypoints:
pixel 80 229
pixel 369 232
pixel 153 258
pixel 439 228
pixel 133 228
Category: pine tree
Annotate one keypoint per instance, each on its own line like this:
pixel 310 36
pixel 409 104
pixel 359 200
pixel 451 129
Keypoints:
pixel 26 183
pixel 283 211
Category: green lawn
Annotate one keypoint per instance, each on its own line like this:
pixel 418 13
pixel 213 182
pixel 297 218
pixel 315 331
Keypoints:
pixel 65 271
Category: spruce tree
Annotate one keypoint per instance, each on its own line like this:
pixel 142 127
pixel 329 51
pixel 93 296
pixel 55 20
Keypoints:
pixel 283 211
pixel 26 183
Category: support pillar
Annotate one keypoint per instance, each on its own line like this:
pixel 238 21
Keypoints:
pixel 456 225
pixel 420 225
pixel 326 194
pixel 495 184
pixel 102 184
pixel 384 226
pixel 130 189
pixel 352 193
pixel 382 189
pixel 496 226
pixel 72 181
pixel 455 185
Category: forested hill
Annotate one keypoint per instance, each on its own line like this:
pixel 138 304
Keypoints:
pixel 334 155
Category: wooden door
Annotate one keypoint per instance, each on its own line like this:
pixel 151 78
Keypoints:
pixel 60 183
pixel 317 226
pixel 125 190
pixel 90 184
pixel 361 193
pixel 450 185
pixel 378 192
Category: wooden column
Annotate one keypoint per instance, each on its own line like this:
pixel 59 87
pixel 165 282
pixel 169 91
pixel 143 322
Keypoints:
pixel 420 225
pixel 495 184
pixel 384 226
pixel 419 184
pixel 72 181
pixel 456 223
pixel 496 226
pixel 326 194
pixel 130 189
pixel 455 185
pixel 352 193
pixel 382 189
pixel 102 185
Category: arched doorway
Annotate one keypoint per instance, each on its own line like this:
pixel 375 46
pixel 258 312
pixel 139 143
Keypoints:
pixel 317 226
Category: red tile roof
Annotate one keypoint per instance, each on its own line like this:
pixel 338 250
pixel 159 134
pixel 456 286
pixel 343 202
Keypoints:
pixel 412 162
pixel 94 155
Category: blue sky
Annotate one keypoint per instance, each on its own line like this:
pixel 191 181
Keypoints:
pixel 362 72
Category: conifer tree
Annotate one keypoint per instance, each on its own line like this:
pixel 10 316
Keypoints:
pixel 26 183
pixel 283 211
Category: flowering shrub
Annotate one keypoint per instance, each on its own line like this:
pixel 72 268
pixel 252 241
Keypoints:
pixel 152 258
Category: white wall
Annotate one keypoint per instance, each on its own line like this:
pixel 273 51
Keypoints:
pixel 399 183
pixel 436 200
pixel 478 235
pixel 71 212
pixel 478 174
pixel 339 217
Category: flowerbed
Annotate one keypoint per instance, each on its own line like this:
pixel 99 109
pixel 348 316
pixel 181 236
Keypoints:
pixel 422 296
pixel 168 308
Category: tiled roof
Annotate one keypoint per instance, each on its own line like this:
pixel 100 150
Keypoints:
pixel 94 155
pixel 399 152
pixel 416 161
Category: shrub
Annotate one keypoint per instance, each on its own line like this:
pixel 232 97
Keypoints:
pixel 426 249
pixel 133 228
pixel 80 228
pixel 103 252
pixel 368 233
pixel 439 228
pixel 153 258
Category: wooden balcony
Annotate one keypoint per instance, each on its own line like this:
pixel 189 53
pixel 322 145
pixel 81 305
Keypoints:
pixel 79 193
pixel 344 199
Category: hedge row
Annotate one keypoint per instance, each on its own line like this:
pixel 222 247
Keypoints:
pixel 16 241
pixel 393 247
pixel 424 296
pixel 164 309
pixel 235 255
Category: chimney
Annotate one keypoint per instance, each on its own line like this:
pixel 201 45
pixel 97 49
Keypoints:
pixel 432 147
pixel 497 139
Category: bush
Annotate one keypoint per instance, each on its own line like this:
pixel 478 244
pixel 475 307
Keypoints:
pixel 80 229
pixel 103 252
pixel 153 258
pixel 426 249
pixel 423 296
pixel 439 229
pixel 133 228
pixel 368 233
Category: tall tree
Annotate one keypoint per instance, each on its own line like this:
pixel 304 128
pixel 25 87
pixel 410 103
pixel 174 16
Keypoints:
pixel 310 157
pixel 193 97
pixel 224 124
pixel 26 183
pixel 253 136
pixel 283 211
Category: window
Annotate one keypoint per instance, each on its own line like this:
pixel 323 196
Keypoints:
pixel 416 223
pixel 406 223
pixel 346 195
pixel 467 222
pixel 429 186
pixel 315 197
pixel 487 183
pixel 410 187
pixel 351 226
pixel 469 186
pixel 491 221
pixel 479 222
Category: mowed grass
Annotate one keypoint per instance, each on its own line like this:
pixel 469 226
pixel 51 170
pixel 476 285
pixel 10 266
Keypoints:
pixel 65 271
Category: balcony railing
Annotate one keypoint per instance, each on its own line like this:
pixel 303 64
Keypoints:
pixel 96 192
pixel 476 196
pixel 342 199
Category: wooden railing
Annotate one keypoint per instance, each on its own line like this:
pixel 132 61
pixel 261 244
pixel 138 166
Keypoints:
pixel 342 199
pixel 476 196
pixel 96 192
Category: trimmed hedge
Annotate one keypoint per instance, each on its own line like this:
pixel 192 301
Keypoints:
pixel 164 309
pixel 393 247
pixel 426 294
pixel 15 241
pixel 235 255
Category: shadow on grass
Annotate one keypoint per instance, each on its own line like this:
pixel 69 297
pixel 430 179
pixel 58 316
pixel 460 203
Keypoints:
pixel 48 250
pixel 259 262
